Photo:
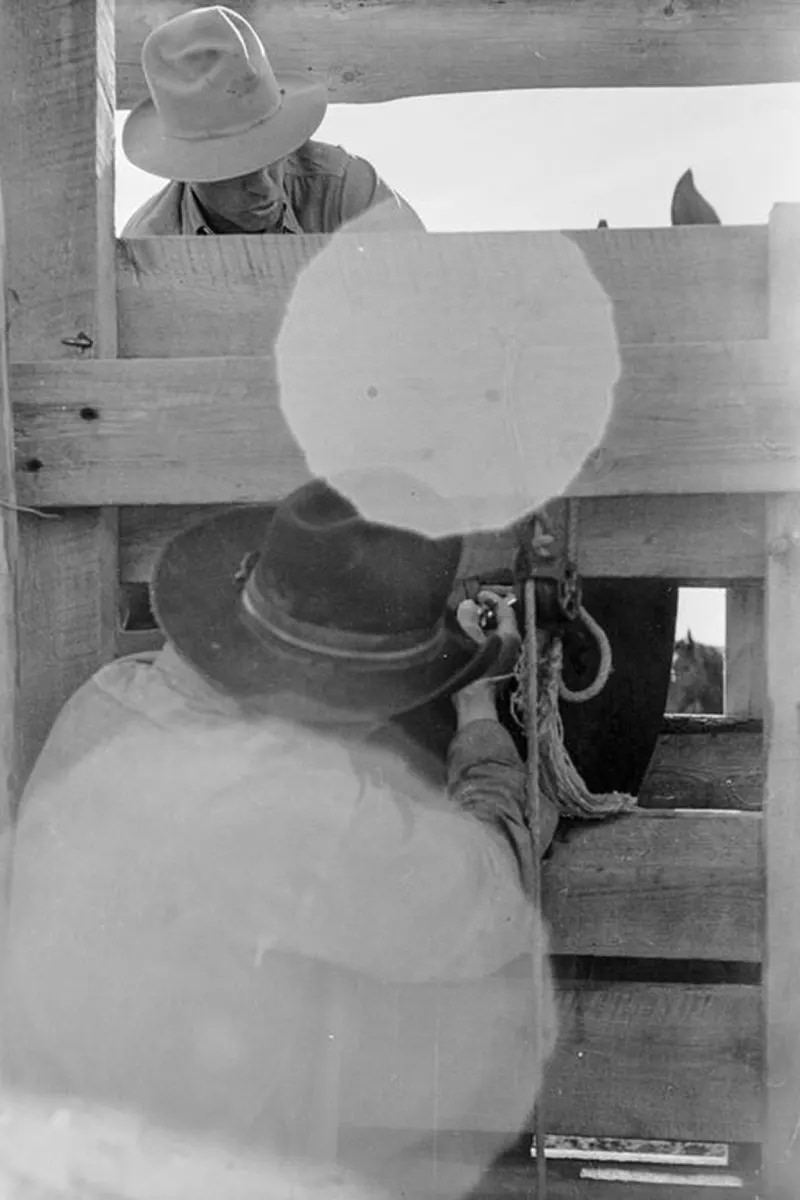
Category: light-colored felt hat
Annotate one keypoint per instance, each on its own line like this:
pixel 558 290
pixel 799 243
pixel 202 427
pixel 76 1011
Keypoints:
pixel 216 109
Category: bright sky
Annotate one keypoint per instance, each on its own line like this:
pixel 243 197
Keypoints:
pixel 562 159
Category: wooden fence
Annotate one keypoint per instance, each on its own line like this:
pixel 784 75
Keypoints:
pixel 141 384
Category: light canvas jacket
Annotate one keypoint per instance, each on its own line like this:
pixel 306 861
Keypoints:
pixel 324 187
pixel 247 930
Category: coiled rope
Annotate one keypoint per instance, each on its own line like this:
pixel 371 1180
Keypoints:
pixel 559 779
pixel 603 671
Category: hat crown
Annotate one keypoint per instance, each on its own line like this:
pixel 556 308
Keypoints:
pixel 323 565
pixel 209 75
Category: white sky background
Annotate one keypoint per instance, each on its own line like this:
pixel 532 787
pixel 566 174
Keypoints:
pixel 562 159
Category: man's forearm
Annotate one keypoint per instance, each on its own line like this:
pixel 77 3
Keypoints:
pixel 486 778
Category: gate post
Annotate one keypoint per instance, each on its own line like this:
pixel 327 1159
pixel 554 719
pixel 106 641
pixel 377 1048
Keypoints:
pixel 57 90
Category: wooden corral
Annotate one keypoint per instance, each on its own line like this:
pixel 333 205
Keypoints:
pixel 141 384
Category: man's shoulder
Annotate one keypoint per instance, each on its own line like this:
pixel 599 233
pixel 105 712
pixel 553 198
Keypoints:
pixel 319 158
pixel 160 216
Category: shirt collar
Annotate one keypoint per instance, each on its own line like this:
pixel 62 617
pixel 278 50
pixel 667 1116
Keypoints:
pixel 193 221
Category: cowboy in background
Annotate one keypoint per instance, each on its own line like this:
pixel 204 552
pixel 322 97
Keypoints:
pixel 237 912
pixel 235 141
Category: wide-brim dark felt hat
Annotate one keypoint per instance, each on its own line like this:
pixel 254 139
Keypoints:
pixel 308 598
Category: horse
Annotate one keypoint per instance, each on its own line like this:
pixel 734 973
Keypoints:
pixel 696 685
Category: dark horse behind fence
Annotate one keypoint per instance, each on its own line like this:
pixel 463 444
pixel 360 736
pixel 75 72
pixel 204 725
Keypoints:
pixel 698 672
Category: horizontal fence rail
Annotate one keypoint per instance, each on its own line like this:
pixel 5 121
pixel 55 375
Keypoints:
pixel 679 1061
pixel 383 49
pixel 189 297
pixel 687 418
pixel 699 539
pixel 672 885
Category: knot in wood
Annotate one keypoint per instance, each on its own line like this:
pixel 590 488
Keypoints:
pixel 780 546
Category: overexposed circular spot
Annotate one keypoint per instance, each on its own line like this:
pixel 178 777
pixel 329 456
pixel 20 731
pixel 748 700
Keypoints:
pixel 448 383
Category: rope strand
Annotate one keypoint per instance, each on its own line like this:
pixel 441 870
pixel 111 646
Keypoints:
pixel 36 512
pixel 559 779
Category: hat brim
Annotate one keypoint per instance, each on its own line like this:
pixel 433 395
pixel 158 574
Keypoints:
pixel 196 602
pixel 205 160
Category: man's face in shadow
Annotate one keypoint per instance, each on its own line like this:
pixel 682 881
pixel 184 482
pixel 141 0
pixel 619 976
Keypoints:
pixel 251 203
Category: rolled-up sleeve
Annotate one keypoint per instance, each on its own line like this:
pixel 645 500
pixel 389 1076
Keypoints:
pixel 418 891
pixel 486 778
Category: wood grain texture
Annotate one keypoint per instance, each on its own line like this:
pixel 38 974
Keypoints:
pixel 384 49
pixel 668 885
pixel 708 539
pixel 512 1177
pixel 783 258
pixel 56 147
pixel 57 168
pixel 782 785
pixel 9 562
pixel 633 1060
pixel 687 418
pixel 718 767
pixel 690 538
pixel 697 419
pixel 744 651
pixel 782 840
pixel 512 1181
pixel 187 297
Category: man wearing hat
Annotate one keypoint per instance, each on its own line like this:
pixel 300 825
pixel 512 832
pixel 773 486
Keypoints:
pixel 237 912
pixel 235 141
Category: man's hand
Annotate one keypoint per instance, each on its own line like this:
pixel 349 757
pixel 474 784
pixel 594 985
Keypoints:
pixel 476 702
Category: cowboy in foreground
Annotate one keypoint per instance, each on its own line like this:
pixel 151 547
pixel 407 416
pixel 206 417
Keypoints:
pixel 235 912
pixel 235 141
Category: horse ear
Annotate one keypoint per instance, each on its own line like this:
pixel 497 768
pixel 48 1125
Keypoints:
pixel 688 206
pixel 689 640
pixel 602 223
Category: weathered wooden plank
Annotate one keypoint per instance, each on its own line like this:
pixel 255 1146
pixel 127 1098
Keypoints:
pixel 57 166
pixel 384 50
pixel 784 271
pixel 513 1176
pixel 144 529
pixel 57 156
pixel 187 297
pixel 680 1061
pixel 782 840
pixel 68 571
pixel 691 538
pixel 696 419
pixel 633 1060
pixel 782 786
pixel 668 885
pixel 9 556
pixel 744 650
pixel 718 765
pixel 138 641
pixel 687 418
pixel 514 1181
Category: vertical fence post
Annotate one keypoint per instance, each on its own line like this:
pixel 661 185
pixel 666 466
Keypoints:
pixel 57 89
pixel 782 743
pixel 744 650
pixel 9 549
